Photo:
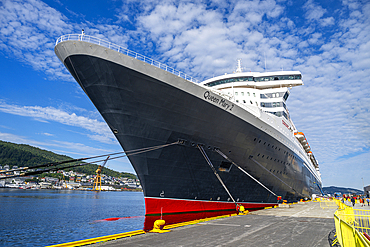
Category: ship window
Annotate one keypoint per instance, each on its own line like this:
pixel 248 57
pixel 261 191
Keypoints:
pixel 242 94
pixel 251 102
pixel 286 95
pixel 243 101
pixel 248 94
pixel 254 94
pixel 225 166
pixel 236 93
pixel 237 101
pixel 263 96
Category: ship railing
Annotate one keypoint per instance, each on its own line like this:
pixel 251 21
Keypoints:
pixel 112 46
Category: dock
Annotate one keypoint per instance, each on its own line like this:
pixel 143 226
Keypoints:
pixel 301 224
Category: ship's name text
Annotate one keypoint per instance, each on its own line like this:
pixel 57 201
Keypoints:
pixel 220 101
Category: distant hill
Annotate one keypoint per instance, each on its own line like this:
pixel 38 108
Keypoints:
pixel 333 189
pixel 25 155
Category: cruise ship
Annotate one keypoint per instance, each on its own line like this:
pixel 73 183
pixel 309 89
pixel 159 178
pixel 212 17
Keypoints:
pixel 225 142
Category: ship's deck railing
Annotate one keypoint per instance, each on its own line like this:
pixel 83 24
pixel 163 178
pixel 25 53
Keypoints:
pixel 110 45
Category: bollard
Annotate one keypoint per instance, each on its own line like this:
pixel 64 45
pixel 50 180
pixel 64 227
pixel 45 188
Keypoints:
pixel 158 227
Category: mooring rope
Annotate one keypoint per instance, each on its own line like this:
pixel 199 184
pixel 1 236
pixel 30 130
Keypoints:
pixel 215 172
pixel 272 173
pixel 276 177
pixel 227 158
pixel 127 153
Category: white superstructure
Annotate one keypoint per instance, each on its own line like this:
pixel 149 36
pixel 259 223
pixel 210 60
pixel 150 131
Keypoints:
pixel 265 95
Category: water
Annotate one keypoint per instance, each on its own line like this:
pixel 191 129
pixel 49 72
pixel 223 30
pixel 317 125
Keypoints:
pixel 45 217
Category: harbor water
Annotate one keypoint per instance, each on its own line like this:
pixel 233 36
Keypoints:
pixel 45 217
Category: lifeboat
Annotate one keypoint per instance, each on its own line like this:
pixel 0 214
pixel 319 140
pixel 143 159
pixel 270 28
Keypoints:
pixel 300 136
pixel 303 141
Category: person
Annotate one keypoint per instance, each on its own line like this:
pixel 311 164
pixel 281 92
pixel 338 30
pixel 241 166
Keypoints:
pixel 368 201
pixel 80 36
pixel 353 200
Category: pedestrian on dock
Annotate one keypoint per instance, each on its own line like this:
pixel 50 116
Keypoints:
pixel 368 201
pixel 353 200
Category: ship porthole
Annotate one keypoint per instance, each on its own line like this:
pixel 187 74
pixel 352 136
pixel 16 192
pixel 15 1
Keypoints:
pixel 115 131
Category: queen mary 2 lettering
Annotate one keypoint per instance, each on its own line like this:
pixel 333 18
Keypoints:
pixel 228 142
pixel 222 102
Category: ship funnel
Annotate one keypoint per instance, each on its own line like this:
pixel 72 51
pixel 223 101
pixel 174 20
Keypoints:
pixel 239 68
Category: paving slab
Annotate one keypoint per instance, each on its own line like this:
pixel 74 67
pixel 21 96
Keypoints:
pixel 303 224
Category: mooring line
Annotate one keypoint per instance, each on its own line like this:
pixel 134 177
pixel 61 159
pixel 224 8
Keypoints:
pixel 227 158
pixel 128 153
pixel 276 177
pixel 215 172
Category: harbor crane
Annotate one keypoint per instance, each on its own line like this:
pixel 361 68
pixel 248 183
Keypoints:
pixel 97 181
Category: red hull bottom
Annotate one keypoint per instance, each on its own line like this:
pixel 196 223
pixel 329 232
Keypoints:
pixel 176 210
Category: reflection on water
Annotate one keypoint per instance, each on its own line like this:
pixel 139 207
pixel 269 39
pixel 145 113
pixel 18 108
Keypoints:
pixel 44 217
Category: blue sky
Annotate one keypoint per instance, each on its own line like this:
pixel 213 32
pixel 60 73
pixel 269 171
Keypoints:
pixel 328 41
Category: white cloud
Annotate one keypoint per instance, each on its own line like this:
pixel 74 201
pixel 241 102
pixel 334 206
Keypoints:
pixel 100 130
pixel 327 21
pixel 29 29
pixel 313 11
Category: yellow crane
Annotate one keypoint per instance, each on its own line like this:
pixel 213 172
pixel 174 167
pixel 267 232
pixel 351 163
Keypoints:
pixel 97 180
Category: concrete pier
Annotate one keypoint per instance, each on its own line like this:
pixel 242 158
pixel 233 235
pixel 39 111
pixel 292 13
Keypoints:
pixel 302 224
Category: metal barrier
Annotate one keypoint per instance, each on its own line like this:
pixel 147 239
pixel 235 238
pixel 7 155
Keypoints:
pixel 327 203
pixel 352 226
pixel 101 42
